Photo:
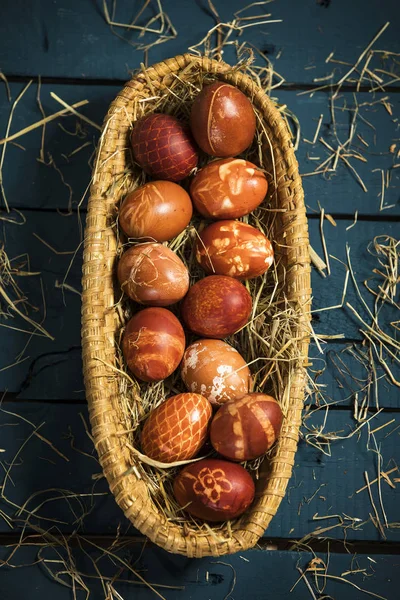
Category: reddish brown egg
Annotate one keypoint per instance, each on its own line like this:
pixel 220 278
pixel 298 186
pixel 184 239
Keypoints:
pixel 246 428
pixel 177 429
pixel 153 344
pixel 222 120
pixel 215 370
pixel 216 306
pixel 235 249
pixel 153 274
pixel 163 147
pixel 228 188
pixel 214 490
pixel 159 210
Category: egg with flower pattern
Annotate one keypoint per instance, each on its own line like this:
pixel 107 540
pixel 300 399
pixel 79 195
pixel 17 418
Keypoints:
pixel 177 429
pixel 214 489
pixel 215 370
pixel 234 249
pixel 163 147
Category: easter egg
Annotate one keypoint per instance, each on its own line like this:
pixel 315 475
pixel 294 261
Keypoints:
pixel 159 210
pixel 228 188
pixel 216 306
pixel 215 370
pixel 163 147
pixel 235 249
pixel 177 429
pixel 222 120
pixel 153 344
pixel 214 490
pixel 246 428
pixel 152 274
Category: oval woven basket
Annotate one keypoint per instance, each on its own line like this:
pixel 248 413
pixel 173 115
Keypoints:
pixel 102 318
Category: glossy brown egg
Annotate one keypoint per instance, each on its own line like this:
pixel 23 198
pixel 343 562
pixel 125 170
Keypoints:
pixel 222 120
pixel 228 188
pixel 177 429
pixel 246 428
pixel 215 370
pixel 235 249
pixel 159 210
pixel 153 274
pixel 216 306
pixel 214 490
pixel 153 344
pixel 163 147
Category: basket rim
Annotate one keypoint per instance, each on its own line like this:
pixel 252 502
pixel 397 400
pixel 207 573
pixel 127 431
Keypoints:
pixel 99 322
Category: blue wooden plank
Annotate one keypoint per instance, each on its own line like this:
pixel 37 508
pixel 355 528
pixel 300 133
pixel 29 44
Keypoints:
pixel 337 192
pixel 70 38
pixel 321 484
pixel 34 379
pixel 237 576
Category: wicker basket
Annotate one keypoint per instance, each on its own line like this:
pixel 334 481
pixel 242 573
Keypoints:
pixel 100 319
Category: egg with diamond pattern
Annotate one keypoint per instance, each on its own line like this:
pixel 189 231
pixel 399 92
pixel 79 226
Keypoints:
pixel 163 147
pixel 177 429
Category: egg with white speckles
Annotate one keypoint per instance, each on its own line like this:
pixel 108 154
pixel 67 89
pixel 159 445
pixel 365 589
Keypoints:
pixel 234 249
pixel 215 370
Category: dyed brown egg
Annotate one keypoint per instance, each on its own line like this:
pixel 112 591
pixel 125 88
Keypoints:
pixel 153 274
pixel 153 344
pixel 215 370
pixel 228 188
pixel 177 429
pixel 163 147
pixel 246 428
pixel 235 249
pixel 159 210
pixel 222 120
pixel 214 490
pixel 216 306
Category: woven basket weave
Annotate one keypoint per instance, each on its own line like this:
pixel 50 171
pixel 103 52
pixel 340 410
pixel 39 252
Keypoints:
pixel 101 322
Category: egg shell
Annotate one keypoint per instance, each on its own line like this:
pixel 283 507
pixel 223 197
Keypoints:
pixel 215 370
pixel 153 344
pixel 152 274
pixel 222 120
pixel 214 489
pixel 228 188
pixel 177 429
pixel 235 249
pixel 159 210
pixel 246 428
pixel 216 306
pixel 163 147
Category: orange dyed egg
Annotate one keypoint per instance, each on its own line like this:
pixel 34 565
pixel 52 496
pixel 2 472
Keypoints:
pixel 235 249
pixel 177 429
pixel 228 188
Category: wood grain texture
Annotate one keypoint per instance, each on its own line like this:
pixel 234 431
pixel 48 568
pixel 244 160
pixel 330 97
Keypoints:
pixel 320 484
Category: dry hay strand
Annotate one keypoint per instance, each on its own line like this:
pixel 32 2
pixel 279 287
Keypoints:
pixel 267 342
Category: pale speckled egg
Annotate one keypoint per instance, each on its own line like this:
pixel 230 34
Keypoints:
pixel 234 249
pixel 215 370
pixel 228 188
pixel 153 274
pixel 159 210
pixel 177 429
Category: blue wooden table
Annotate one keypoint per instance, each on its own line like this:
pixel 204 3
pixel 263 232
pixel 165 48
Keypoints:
pixel 61 534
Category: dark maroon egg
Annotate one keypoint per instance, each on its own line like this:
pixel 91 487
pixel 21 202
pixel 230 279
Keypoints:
pixel 153 344
pixel 246 428
pixel 222 120
pixel 163 147
pixel 214 490
pixel 216 306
